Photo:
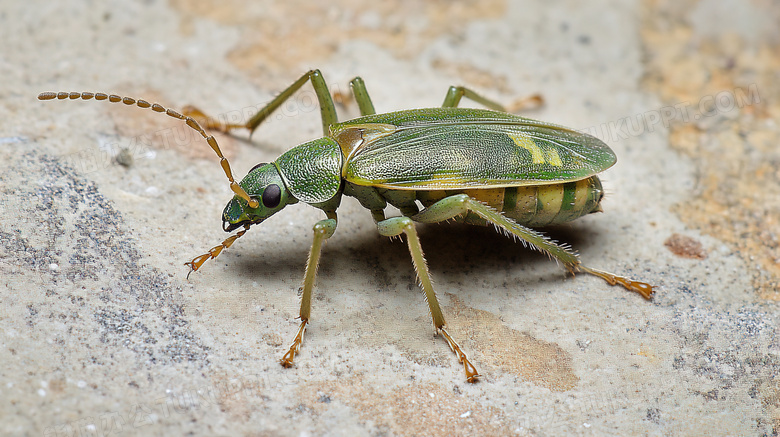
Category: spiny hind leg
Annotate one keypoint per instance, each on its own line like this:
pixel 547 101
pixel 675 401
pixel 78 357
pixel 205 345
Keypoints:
pixel 459 204
pixel 396 226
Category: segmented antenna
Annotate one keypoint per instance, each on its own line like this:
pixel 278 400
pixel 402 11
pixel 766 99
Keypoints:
pixel 191 122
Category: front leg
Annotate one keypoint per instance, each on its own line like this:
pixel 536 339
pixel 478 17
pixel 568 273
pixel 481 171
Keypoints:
pixel 396 226
pixel 327 109
pixel 323 230
pixel 214 251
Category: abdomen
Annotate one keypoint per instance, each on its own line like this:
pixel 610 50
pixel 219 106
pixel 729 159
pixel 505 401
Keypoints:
pixel 535 205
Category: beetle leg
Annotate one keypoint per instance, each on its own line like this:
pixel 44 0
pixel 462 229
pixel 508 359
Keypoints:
pixel 643 288
pixel 458 204
pixel 214 251
pixel 327 109
pixel 210 122
pixel 396 226
pixel 323 230
pixel 455 93
pixel 361 96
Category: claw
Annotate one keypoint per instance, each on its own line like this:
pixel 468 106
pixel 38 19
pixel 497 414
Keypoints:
pixel 287 359
pixel 471 372
pixel 643 288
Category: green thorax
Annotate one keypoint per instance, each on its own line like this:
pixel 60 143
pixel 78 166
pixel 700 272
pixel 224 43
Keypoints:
pixel 312 171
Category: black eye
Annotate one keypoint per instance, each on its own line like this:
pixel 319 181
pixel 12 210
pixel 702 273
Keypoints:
pixel 272 195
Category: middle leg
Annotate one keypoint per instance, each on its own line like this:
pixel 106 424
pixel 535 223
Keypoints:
pixel 456 93
pixel 396 226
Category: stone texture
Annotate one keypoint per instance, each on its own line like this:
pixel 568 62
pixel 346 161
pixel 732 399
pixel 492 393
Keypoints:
pixel 101 333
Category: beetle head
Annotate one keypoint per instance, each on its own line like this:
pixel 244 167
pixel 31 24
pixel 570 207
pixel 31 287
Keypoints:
pixel 264 184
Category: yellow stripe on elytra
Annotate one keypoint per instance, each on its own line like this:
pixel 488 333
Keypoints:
pixel 538 156
pixel 553 158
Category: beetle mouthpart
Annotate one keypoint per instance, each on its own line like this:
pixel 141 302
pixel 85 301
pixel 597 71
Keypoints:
pixel 227 226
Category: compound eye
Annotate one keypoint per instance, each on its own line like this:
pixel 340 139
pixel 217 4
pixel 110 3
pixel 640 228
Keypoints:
pixel 272 195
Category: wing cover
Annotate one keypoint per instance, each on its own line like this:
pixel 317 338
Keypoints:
pixel 458 148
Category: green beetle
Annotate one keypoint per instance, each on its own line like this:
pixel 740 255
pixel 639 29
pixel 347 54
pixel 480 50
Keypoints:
pixel 476 166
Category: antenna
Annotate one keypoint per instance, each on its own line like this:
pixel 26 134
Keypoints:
pixel 191 122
